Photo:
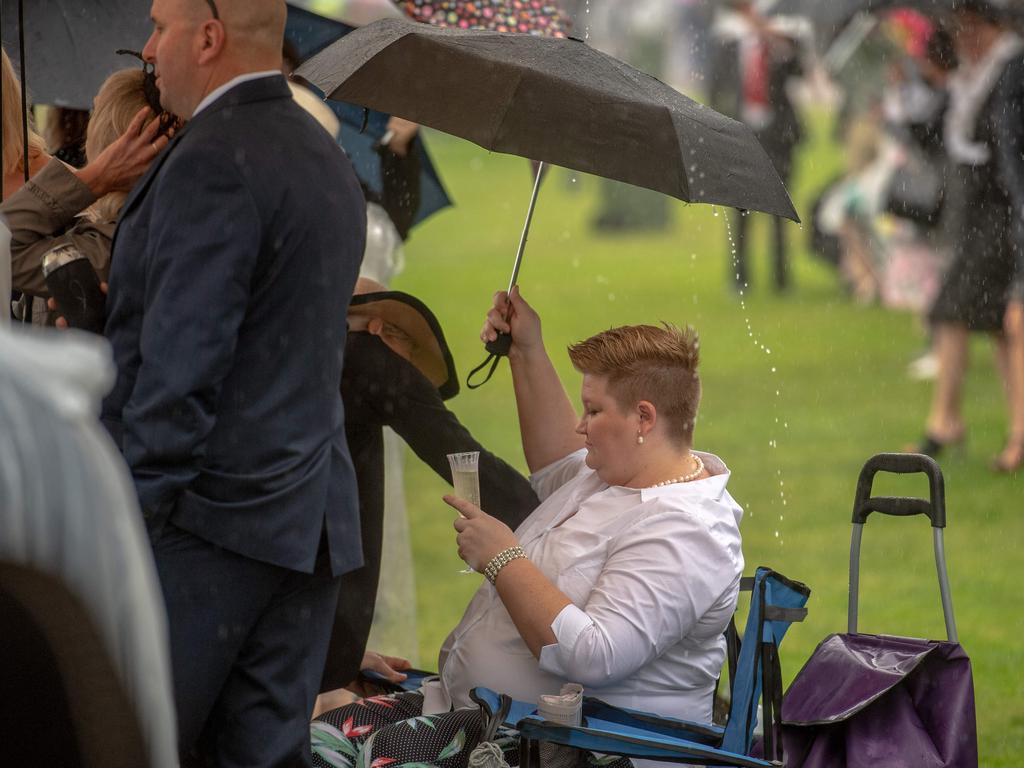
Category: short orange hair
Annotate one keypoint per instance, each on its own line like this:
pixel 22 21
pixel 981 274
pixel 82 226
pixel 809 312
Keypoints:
pixel 648 362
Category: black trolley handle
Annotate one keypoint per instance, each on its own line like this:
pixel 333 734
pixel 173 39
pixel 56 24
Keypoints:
pixel 934 509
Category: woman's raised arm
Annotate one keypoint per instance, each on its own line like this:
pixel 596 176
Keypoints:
pixel 547 420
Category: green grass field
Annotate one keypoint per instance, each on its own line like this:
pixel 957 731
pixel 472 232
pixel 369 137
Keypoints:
pixel 798 392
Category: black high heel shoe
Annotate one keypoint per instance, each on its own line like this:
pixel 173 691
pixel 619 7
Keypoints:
pixel 932 446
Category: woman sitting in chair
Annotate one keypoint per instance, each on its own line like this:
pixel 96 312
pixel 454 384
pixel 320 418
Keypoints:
pixel 622 580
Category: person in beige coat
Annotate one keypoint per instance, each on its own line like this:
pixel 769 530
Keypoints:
pixel 61 205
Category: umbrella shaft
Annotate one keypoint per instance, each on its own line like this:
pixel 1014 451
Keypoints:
pixel 526 227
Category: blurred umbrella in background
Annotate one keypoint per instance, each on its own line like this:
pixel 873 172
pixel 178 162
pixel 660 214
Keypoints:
pixel 354 13
pixel 361 130
pixel 71 45
pixel 527 16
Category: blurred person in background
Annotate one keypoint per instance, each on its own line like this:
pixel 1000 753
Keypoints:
pixel 885 209
pixel 1010 146
pixel 973 297
pixel 917 245
pixel 14 141
pixel 14 135
pixel 637 32
pixel 754 61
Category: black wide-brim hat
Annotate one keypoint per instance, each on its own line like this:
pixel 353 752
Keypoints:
pixel 429 351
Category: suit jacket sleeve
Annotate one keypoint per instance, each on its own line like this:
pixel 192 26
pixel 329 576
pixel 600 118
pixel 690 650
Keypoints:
pixel 44 214
pixel 411 406
pixel 200 256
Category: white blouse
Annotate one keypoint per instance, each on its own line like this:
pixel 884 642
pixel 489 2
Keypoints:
pixel 653 575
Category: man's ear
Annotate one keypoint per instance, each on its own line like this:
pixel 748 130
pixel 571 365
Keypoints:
pixel 375 326
pixel 211 40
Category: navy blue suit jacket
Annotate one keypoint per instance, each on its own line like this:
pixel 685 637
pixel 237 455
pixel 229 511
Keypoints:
pixel 231 273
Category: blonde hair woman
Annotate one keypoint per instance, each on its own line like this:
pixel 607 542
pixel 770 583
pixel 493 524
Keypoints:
pixel 61 205
pixel 14 134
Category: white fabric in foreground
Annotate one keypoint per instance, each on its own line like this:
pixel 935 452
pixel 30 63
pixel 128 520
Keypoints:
pixel 5 274
pixel 68 509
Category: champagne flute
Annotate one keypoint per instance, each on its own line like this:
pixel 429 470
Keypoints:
pixel 466 480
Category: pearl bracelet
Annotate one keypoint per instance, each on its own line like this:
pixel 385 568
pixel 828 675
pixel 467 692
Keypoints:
pixel 502 559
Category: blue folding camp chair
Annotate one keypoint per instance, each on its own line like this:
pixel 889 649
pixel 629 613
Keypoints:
pixel 755 675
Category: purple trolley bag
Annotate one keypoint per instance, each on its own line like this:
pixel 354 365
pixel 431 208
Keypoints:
pixel 877 700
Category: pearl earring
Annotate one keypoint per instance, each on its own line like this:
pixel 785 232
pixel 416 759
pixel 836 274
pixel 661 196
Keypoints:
pixel 639 438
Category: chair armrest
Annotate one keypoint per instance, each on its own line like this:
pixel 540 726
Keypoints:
pixel 632 743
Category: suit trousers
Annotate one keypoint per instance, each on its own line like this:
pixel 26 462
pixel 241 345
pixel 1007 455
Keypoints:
pixel 248 643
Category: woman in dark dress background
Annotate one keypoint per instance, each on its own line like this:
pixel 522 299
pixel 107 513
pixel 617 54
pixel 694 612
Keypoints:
pixel 973 297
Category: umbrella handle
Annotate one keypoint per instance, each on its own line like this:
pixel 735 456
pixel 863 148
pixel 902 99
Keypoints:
pixel 500 346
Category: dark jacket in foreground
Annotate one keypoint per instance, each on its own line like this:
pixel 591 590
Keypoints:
pixel 234 255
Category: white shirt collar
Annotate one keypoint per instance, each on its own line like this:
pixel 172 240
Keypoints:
pixel 216 93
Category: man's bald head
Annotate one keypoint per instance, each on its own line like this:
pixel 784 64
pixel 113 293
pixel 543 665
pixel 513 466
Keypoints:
pixel 249 23
pixel 198 45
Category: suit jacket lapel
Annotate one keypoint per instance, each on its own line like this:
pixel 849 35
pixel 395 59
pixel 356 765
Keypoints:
pixel 252 90
pixel 143 184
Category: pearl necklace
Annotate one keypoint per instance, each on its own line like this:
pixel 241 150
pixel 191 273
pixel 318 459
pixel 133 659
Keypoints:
pixel 684 478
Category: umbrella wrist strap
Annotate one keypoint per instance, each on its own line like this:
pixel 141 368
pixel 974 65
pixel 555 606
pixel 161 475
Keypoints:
pixel 493 360
pixel 498 349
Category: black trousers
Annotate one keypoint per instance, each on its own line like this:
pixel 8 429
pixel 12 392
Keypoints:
pixel 739 268
pixel 248 643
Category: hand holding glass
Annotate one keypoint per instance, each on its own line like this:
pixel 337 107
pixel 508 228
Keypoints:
pixel 466 479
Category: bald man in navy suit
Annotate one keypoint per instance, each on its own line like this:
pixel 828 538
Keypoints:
pixel 232 269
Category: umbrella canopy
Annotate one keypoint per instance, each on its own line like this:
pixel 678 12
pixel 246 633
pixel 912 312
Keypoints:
pixel 556 100
pixel 71 45
pixel 362 130
pixel 533 16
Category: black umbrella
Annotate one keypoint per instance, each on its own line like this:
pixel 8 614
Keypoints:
pixel 71 45
pixel 554 100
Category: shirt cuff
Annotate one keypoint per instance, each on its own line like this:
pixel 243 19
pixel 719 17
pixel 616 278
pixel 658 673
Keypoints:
pixel 568 625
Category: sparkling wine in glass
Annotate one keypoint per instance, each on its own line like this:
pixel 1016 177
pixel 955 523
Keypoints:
pixel 466 479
